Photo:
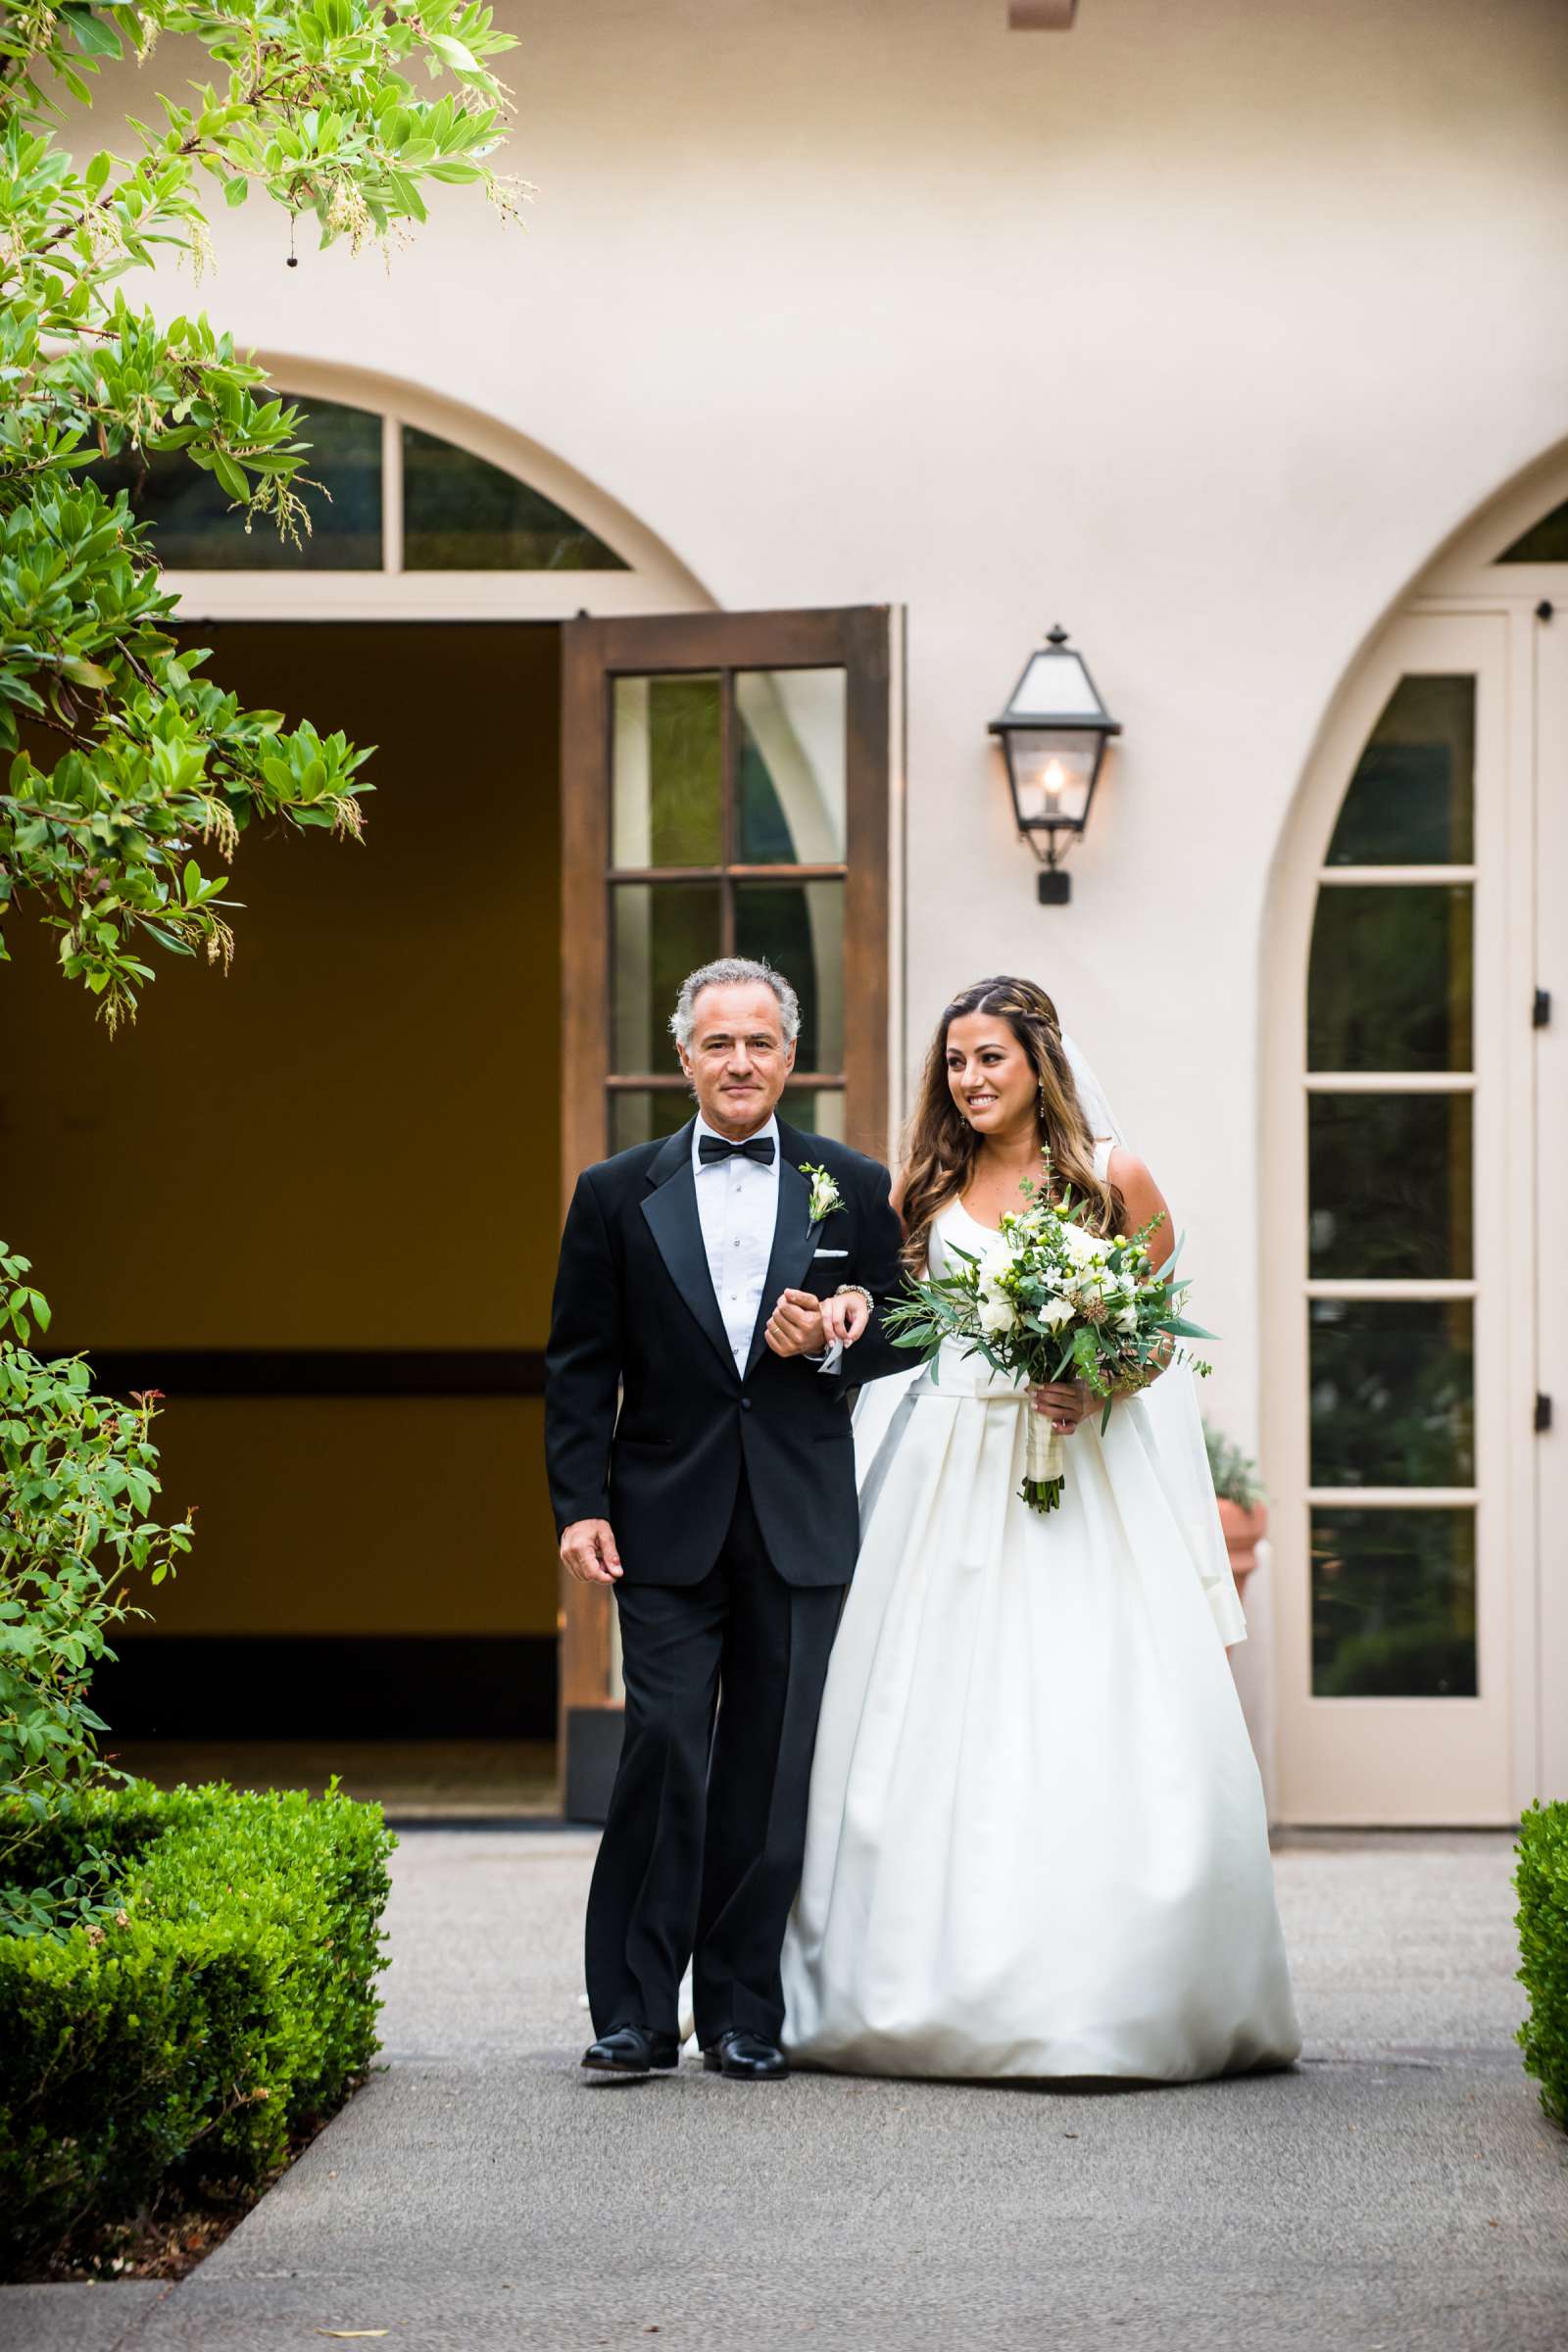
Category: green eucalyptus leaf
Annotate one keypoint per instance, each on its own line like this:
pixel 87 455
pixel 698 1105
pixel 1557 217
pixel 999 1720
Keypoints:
pixel 96 31
pixel 230 475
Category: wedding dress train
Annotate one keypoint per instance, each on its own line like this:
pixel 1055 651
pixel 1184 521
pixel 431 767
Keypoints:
pixel 1037 1843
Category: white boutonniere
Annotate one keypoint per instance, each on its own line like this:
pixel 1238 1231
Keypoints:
pixel 825 1193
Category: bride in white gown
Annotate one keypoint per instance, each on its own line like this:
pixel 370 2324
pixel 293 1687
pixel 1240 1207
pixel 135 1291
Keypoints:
pixel 1037 1843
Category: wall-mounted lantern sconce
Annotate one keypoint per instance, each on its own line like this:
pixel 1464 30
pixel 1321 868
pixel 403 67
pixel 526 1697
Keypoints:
pixel 1054 733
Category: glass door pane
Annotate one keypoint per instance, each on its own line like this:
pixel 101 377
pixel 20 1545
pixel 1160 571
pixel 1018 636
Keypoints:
pixel 668 772
pixel 715 774
pixel 1391 979
pixel 1412 800
pixel 1394 1605
pixel 797 927
pixel 1388 1187
pixel 1391 992
pixel 659 931
pixel 790 796
pixel 1393 1392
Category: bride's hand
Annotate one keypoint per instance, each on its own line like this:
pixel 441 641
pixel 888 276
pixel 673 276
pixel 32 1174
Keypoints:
pixel 1064 1401
pixel 846 1315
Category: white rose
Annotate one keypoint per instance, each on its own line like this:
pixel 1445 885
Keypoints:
pixel 1127 1320
pixel 1056 1312
pixel 996 1259
pixel 1084 1246
pixel 998 1314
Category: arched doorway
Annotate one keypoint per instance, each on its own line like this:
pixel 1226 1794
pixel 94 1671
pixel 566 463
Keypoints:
pixel 316 1201
pixel 334 1249
pixel 1415 1118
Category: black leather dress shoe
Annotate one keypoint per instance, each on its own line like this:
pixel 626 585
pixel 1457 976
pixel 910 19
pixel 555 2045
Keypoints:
pixel 745 2058
pixel 632 2051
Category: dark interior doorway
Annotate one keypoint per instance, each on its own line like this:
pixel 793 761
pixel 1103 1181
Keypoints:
pixel 315 1202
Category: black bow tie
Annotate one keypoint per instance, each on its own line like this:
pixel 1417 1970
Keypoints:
pixel 756 1147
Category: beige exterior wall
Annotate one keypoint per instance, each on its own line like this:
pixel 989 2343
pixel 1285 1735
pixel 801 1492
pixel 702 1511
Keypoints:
pixel 1199 329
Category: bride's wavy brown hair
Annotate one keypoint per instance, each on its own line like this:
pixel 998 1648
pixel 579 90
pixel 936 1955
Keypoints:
pixel 942 1147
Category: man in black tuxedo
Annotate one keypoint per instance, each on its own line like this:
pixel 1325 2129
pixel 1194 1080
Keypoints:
pixel 696 1284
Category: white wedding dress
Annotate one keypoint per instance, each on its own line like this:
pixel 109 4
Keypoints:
pixel 1037 1843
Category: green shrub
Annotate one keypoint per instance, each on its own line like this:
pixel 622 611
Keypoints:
pixel 78 1478
pixel 1542 1881
pixel 228 2003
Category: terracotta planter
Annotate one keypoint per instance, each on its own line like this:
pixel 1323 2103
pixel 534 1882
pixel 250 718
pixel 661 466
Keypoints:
pixel 1244 1531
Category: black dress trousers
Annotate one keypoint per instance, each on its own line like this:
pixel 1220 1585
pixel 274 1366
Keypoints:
pixel 701 1855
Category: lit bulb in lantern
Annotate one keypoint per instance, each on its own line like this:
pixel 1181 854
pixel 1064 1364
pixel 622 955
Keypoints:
pixel 1054 781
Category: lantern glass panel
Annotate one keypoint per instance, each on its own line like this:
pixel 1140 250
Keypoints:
pixel 1052 771
pixel 1056 686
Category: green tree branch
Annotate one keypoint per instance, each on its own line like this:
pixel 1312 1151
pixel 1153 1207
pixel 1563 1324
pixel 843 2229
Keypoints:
pixel 316 107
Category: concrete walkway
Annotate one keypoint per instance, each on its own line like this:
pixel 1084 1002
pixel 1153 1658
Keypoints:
pixel 1399 2191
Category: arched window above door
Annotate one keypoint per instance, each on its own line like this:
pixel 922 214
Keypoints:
pixel 392 498
pixel 1545 542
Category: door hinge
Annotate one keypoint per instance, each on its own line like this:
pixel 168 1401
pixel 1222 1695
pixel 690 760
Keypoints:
pixel 1543 1414
pixel 1541 1010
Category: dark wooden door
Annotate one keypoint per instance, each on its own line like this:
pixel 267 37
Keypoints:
pixel 725 791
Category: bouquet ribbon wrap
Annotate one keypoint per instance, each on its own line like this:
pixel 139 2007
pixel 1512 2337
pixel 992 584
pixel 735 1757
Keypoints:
pixel 1045 1451
pixel 966 1382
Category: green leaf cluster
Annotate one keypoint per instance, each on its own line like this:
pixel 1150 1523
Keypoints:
pixel 120 766
pixel 227 2004
pixel 1541 1882
pixel 78 1474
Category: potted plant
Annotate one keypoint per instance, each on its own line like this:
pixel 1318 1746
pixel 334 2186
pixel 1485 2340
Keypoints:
pixel 1243 1508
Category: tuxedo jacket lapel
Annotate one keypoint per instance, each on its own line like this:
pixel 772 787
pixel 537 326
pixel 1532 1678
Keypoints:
pixel 794 1238
pixel 671 1209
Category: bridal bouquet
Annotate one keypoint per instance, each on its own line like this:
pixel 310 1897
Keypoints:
pixel 1049 1300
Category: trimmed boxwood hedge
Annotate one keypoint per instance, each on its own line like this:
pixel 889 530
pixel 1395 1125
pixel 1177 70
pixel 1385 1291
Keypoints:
pixel 234 2005
pixel 1542 1879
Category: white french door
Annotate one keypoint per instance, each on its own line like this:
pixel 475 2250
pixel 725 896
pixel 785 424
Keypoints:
pixel 1549 649
pixel 1401 1284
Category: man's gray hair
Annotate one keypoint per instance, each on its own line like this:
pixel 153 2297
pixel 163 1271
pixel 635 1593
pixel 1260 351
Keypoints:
pixel 730 971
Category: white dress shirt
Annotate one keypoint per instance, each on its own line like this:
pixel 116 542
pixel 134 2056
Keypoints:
pixel 737 1204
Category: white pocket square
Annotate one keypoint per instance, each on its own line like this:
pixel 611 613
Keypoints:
pixel 830 1253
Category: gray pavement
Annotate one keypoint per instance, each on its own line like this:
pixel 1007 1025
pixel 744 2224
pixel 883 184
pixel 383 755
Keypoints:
pixel 1399 2188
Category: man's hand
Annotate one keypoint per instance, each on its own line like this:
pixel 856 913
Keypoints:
pixel 797 1325
pixel 846 1315
pixel 588 1548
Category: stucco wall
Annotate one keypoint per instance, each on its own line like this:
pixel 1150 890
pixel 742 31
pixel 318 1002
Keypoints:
pixel 1197 328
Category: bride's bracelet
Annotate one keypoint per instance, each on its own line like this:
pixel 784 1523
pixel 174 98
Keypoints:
pixel 859 1289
